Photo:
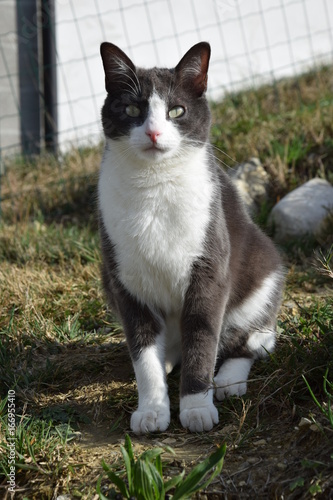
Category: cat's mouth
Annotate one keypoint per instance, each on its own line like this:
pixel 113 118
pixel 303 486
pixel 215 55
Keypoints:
pixel 154 149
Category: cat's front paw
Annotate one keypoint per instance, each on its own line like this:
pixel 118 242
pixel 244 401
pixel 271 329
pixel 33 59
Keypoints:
pixel 150 421
pixel 199 419
pixel 198 413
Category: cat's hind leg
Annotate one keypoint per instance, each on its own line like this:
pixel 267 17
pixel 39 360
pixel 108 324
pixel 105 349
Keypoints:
pixel 231 379
pixel 248 333
pixel 173 350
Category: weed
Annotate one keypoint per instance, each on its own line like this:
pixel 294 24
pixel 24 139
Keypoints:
pixel 144 475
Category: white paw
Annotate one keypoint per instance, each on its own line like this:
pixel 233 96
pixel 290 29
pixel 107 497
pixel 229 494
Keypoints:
pixel 150 421
pixel 231 378
pixel 198 413
pixel 199 419
pixel 227 387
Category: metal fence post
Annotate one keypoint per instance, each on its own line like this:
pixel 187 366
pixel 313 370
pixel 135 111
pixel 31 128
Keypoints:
pixel 49 76
pixel 29 75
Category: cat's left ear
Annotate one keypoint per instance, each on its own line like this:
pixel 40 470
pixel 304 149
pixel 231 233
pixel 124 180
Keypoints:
pixel 192 70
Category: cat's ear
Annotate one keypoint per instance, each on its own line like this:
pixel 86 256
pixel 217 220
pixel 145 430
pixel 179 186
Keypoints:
pixel 193 68
pixel 119 69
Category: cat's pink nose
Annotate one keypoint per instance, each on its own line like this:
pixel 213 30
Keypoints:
pixel 153 134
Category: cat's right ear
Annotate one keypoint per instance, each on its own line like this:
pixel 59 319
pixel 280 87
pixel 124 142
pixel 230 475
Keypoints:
pixel 118 68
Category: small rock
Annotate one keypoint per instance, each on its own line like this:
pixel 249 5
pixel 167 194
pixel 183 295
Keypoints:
pixel 303 211
pixel 304 422
pixel 314 428
pixel 291 307
pixel 169 441
pixel 230 428
pixel 260 442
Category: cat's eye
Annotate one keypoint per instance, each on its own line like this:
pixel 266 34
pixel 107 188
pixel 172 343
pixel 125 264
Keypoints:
pixel 132 111
pixel 176 112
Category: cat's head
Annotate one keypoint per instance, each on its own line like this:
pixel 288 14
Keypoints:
pixel 156 114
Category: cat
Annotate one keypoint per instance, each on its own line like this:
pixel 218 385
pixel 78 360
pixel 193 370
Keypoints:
pixel 192 279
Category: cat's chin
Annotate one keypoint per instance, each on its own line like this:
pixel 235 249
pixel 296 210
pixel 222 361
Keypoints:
pixel 155 153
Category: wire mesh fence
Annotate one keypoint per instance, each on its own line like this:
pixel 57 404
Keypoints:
pixel 51 77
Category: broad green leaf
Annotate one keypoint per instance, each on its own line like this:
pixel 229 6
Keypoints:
pixel 150 455
pixel 128 446
pixel 143 481
pixel 173 482
pixel 193 481
pixel 157 480
pixel 159 465
pixel 128 467
pixel 121 485
pixel 98 489
pixel 315 488
pixel 295 484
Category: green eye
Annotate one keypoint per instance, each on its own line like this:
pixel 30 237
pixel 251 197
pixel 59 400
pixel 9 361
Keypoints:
pixel 132 111
pixel 176 112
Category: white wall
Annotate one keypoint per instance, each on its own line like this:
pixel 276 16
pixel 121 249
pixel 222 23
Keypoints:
pixel 9 98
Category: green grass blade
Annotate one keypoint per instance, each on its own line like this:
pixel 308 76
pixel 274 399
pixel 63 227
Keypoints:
pixel 193 481
pixel 320 406
pixel 329 397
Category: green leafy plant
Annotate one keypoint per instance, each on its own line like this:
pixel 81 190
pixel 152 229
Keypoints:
pixel 143 478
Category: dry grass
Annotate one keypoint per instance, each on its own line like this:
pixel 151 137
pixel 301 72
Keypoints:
pixel 66 356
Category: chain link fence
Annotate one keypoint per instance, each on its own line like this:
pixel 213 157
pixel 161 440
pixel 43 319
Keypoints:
pixel 51 77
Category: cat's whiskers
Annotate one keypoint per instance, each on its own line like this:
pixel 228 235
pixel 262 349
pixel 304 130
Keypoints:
pixel 212 155
pixel 224 153
pixel 219 160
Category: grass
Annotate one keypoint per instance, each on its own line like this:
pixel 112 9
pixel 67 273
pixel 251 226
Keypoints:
pixel 66 359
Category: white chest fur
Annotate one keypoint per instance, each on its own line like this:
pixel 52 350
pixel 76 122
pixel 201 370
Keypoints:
pixel 157 218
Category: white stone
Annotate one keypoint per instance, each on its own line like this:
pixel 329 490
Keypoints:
pixel 305 422
pixel 303 211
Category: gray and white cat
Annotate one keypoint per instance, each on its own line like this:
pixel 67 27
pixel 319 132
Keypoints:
pixel 191 278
